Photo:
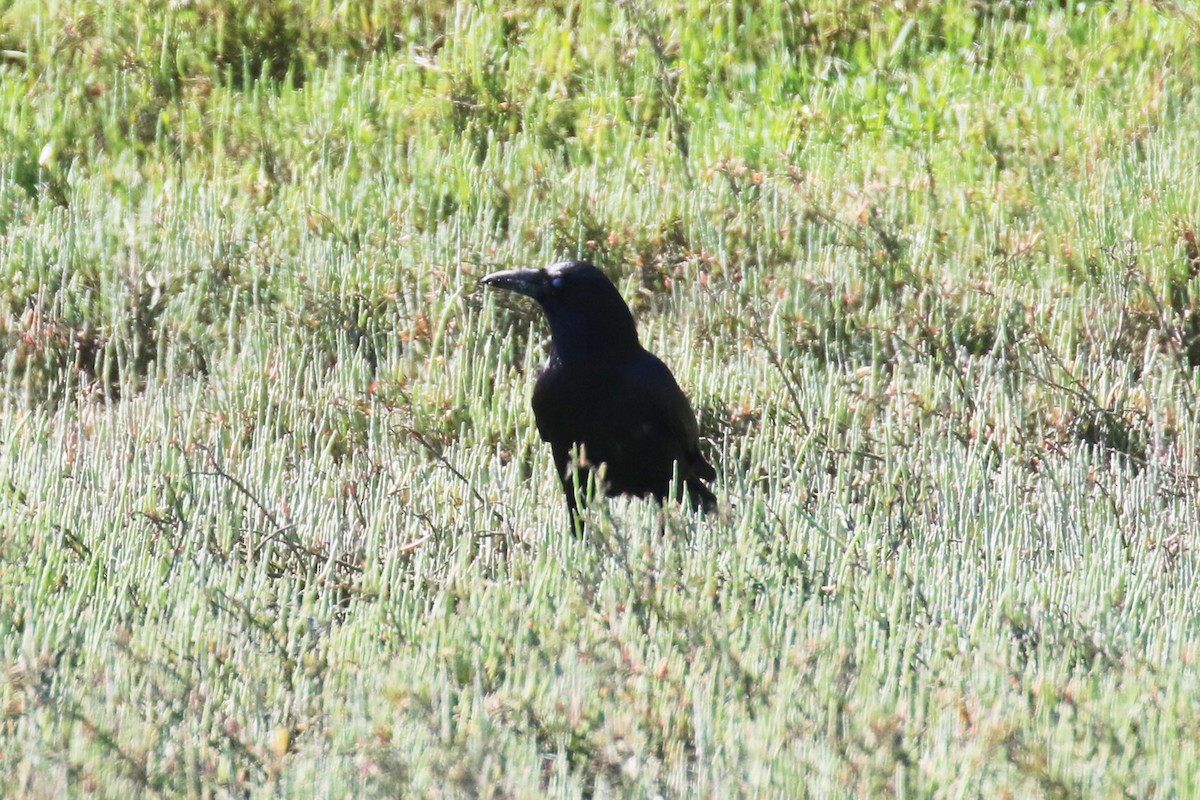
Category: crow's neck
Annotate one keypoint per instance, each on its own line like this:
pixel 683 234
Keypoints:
pixel 583 342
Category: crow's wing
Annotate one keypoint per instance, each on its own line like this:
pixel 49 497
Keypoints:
pixel 650 385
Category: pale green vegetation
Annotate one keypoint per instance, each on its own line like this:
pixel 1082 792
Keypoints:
pixel 275 517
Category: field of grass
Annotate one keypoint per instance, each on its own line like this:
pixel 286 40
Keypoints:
pixel 274 516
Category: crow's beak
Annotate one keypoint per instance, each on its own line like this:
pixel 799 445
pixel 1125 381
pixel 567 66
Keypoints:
pixel 529 282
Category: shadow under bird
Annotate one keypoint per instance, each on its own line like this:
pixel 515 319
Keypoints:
pixel 603 392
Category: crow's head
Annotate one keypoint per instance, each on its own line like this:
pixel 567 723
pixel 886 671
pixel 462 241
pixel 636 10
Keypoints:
pixel 585 311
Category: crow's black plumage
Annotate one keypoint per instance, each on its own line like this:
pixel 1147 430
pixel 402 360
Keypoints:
pixel 602 391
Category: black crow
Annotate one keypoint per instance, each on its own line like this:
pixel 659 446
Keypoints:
pixel 601 391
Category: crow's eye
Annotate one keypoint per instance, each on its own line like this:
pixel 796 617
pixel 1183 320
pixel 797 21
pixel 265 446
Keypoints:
pixel 556 281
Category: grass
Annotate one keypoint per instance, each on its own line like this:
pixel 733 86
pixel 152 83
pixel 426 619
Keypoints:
pixel 275 516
